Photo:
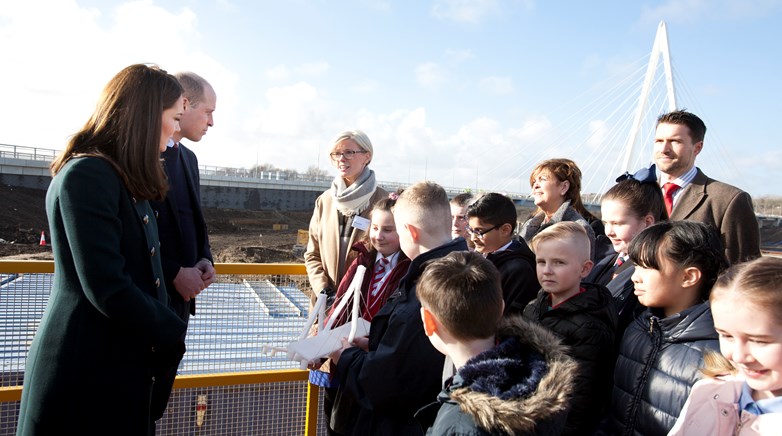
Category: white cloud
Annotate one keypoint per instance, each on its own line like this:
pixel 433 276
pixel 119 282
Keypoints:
pixel 496 85
pixel 278 73
pixel 281 72
pixel 464 11
pixel 430 75
pixel 367 86
pixel 315 69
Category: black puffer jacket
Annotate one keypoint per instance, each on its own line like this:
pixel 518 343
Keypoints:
pixel 402 370
pixel 518 279
pixel 520 387
pixel 586 323
pixel 657 365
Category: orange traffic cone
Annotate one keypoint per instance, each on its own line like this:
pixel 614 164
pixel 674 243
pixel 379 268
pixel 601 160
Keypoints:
pixel 43 239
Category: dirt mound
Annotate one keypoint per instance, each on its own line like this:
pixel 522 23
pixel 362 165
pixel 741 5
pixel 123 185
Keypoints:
pixel 236 236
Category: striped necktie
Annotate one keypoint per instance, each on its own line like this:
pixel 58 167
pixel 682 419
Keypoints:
pixel 380 271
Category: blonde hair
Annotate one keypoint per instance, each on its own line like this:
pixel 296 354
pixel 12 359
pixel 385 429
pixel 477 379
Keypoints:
pixel 359 137
pixel 426 206
pixel 570 231
pixel 757 282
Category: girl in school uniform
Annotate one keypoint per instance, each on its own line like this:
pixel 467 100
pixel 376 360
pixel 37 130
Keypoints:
pixel 743 392
pixel 629 207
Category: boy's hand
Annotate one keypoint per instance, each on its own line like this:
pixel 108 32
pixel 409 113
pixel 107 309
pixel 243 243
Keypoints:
pixel 337 354
pixel 362 342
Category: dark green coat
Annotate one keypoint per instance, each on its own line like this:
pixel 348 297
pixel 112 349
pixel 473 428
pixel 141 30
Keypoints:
pixel 107 326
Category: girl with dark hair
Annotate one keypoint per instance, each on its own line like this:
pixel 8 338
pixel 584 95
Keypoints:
pixel 677 264
pixel 107 331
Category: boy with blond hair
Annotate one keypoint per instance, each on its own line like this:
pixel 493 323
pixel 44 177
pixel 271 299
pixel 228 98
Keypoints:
pixel 396 370
pixel 512 377
pixel 582 314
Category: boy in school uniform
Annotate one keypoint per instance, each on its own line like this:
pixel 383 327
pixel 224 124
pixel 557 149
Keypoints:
pixel 513 377
pixel 491 222
pixel 582 314
pixel 396 370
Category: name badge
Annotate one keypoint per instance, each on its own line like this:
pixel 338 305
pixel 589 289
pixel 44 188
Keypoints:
pixel 360 223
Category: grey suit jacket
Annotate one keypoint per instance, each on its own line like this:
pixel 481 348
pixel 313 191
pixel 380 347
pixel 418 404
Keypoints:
pixel 728 209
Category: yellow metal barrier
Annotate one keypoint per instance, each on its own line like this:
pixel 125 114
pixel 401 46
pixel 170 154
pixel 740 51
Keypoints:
pixel 204 382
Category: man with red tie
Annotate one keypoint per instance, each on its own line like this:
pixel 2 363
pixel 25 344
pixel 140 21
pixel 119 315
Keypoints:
pixel 691 195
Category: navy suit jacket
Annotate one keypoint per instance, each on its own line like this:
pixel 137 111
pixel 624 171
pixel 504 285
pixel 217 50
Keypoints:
pixel 170 232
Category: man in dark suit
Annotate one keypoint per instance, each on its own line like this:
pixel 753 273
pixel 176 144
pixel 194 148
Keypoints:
pixel 184 243
pixel 691 195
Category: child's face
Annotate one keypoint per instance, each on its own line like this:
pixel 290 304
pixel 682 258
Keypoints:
pixel 560 267
pixel 459 221
pixel 382 233
pixel 621 224
pixel 662 288
pixel 490 241
pixel 750 337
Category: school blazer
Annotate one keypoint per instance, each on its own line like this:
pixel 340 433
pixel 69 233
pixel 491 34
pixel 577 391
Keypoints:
pixel 728 209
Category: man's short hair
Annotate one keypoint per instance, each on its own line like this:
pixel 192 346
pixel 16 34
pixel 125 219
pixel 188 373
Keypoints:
pixel 463 291
pixel 425 205
pixel 570 231
pixel 695 124
pixel 462 199
pixel 495 209
pixel 193 85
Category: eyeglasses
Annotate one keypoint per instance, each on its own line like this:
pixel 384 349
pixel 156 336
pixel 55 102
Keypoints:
pixel 480 233
pixel 348 154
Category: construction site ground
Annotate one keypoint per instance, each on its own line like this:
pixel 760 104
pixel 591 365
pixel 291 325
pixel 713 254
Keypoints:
pixel 235 235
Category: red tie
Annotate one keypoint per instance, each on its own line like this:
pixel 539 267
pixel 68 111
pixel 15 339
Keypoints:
pixel 380 269
pixel 668 190
pixel 619 262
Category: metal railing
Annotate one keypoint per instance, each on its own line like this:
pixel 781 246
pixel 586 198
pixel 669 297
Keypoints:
pixel 225 384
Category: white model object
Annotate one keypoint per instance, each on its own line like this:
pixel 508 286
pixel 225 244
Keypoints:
pixel 308 349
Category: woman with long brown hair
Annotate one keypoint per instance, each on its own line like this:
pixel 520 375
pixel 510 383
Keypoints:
pixel 107 331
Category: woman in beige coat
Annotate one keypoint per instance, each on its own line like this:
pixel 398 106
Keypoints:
pixel 341 215
pixel 340 219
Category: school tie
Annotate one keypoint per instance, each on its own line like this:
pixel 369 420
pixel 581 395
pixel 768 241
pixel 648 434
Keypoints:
pixel 619 261
pixel 380 272
pixel 668 190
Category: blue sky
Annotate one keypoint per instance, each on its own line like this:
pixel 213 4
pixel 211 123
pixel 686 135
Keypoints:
pixel 466 93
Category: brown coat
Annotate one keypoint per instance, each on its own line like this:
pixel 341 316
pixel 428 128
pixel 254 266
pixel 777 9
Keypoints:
pixel 322 255
pixel 727 209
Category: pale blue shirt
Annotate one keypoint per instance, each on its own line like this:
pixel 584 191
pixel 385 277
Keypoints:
pixel 769 405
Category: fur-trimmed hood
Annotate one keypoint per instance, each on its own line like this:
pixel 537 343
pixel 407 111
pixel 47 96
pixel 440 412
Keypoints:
pixel 524 381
